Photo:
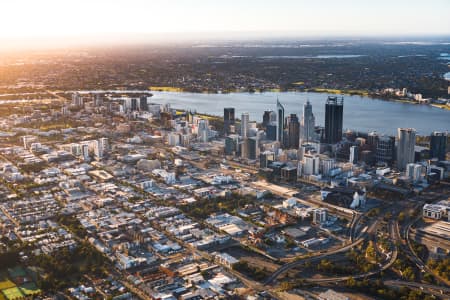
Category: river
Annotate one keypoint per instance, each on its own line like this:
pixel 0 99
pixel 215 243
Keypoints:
pixel 360 113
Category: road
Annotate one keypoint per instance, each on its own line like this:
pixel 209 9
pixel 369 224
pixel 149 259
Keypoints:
pixel 434 290
pixel 416 259
pixel 394 233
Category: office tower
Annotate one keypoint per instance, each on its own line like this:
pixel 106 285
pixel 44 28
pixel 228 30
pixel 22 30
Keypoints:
pixel 311 164
pixel 308 123
pixel 203 131
pixel 414 171
pixel 405 147
pixel 253 148
pixel 280 120
pixel 266 158
pixel 98 101
pixel 143 105
pixel 271 132
pixel 326 165
pixel 77 100
pixel 232 144
pixel 334 109
pixel 293 132
pixel 319 215
pixel 173 139
pixel 134 104
pixel 354 154
pixel 385 149
pixel 245 119
pixel 65 110
pixel 372 140
pixel 228 119
pixel 438 145
pixel 269 117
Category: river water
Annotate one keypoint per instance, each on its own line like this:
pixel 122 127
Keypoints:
pixel 360 113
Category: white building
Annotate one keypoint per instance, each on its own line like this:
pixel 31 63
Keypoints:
pixel 414 172
pixel 435 211
pixel 173 139
pixel 319 215
pixel 311 164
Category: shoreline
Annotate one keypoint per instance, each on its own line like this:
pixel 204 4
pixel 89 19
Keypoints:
pixel 313 90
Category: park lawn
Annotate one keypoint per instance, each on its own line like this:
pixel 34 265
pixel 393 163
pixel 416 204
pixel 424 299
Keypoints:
pixel 12 293
pixel 6 284
pixel 29 288
pixel 165 89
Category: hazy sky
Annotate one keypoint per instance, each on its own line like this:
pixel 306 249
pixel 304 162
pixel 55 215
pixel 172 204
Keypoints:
pixel 21 19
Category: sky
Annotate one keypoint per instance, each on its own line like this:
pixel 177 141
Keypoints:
pixel 23 20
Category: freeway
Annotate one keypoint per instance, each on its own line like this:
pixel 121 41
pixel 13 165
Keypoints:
pixel 434 290
pixel 284 268
pixel 393 229
pixel 395 235
pixel 416 259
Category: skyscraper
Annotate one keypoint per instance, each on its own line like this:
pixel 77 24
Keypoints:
pixel 228 118
pixel 245 119
pixel 438 145
pixel 267 118
pixel 280 120
pixel 353 154
pixel 308 122
pixel 334 109
pixel 244 133
pixel 385 149
pixel 293 132
pixel 405 147
pixel 143 105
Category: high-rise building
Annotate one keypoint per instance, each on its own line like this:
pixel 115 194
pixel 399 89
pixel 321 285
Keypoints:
pixel 203 131
pixel 311 164
pixel 354 154
pixel 414 171
pixel 280 120
pixel 405 147
pixel 245 119
pixel 293 132
pixel 334 110
pixel 326 165
pixel 266 158
pixel 372 140
pixel 253 147
pixel 438 145
pixel 232 144
pixel 319 215
pixel 382 146
pixel 134 104
pixel 266 118
pixel 98 101
pixel 228 119
pixel 385 149
pixel 77 100
pixel 143 105
pixel 271 132
pixel 308 123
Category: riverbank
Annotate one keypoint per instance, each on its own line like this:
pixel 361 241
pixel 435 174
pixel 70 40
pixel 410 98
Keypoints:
pixel 442 106
pixel 350 92
pixel 361 113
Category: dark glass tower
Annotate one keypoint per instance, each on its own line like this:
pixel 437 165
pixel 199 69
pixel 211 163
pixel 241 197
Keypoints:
pixel 334 111
pixel 266 118
pixel 228 118
pixel 438 145
pixel 293 131
pixel 280 120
